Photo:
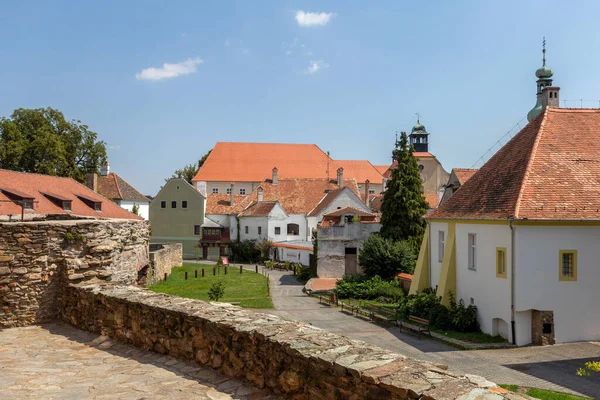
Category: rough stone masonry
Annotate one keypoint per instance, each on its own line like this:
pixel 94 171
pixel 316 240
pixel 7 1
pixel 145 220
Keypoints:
pixel 38 259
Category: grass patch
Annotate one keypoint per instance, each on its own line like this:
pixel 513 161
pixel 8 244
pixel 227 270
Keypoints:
pixel 543 394
pixel 248 288
pixel 472 337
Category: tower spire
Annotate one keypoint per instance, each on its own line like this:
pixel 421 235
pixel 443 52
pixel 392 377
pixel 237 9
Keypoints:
pixel 544 75
pixel 544 51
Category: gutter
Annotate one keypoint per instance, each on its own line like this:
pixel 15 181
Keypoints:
pixel 512 280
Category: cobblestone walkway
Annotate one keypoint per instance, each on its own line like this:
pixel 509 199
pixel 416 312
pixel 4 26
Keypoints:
pixel 57 361
pixel 549 367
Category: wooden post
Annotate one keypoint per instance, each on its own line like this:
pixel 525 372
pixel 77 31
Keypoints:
pixel 214 271
pixel 226 270
pixel 240 269
pixel 186 275
pixel 256 268
pixel 196 274
pixel 203 272
pixel 165 276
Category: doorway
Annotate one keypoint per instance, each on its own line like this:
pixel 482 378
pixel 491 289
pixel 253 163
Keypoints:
pixel 351 261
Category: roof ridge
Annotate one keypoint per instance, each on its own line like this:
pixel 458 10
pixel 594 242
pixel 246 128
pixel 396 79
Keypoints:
pixel 133 187
pixel 114 175
pixel 532 155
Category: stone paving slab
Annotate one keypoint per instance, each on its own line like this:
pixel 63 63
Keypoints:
pixel 57 361
pixel 549 367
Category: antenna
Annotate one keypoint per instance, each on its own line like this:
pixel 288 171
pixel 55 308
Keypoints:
pixel 327 170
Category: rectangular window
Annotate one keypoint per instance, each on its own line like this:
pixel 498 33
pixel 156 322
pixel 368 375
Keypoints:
pixel 174 204
pixel 242 190
pixel 246 229
pixel 501 262
pixel 441 245
pixel 163 204
pixel 567 265
pixel 184 204
pixel 472 253
pixel 259 230
pixel 371 191
pixel 228 190
pixel 196 229
pixel 215 190
pixel 277 230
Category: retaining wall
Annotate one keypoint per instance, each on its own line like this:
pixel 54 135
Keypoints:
pixel 163 257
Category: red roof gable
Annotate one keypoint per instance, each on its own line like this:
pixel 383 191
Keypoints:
pixel 464 174
pixel 550 170
pixel 116 188
pixel 35 185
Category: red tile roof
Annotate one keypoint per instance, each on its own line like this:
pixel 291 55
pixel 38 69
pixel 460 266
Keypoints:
pixel 432 199
pixel 114 187
pixel 550 170
pixel 382 168
pixel 464 174
pixel 349 210
pixel 258 209
pixel 34 185
pixel 361 170
pixel 220 203
pixel 296 196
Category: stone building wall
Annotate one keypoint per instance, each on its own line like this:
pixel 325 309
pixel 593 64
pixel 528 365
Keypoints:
pixel 331 262
pixel 38 259
pixel 163 257
pixel 290 357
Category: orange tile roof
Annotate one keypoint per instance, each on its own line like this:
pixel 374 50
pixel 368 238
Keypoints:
pixel 220 203
pixel 432 199
pixel 464 174
pixel 361 170
pixel 382 168
pixel 35 185
pixel 254 162
pixel 114 187
pixel 292 246
pixel 550 170
pixel 376 203
pixel 349 210
pixel 422 154
pixel 258 209
pixel 296 196
pixel 403 275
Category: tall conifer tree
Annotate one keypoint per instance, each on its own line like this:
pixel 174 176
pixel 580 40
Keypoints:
pixel 403 204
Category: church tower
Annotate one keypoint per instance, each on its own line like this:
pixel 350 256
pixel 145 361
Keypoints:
pixel 418 138
pixel 544 75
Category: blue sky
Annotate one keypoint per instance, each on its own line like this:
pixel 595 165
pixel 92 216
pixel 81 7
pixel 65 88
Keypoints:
pixel 345 77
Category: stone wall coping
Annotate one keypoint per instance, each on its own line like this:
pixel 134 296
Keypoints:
pixel 69 222
pixel 395 375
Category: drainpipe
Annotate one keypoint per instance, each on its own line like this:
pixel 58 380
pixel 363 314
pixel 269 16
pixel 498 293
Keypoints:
pixel 512 280
pixel 429 252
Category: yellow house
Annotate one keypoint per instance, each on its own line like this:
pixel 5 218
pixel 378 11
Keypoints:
pixel 177 214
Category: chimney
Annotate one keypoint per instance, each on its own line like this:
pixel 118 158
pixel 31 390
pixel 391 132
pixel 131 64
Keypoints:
pixel 384 183
pixel 275 178
pixel 367 192
pixel 231 194
pixel 260 194
pixel 340 176
pixel 91 181
pixel 105 170
pixel 550 96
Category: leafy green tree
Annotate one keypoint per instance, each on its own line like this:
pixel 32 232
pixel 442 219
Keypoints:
pixel 135 209
pixel 216 291
pixel 43 141
pixel 386 258
pixel 189 171
pixel 403 203
pixel 265 247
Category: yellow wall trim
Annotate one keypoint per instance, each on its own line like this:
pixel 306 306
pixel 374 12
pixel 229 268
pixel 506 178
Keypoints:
pixel 420 279
pixel 447 281
pixel 501 258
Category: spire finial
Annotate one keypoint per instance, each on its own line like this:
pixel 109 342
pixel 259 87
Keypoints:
pixel 418 118
pixel 544 51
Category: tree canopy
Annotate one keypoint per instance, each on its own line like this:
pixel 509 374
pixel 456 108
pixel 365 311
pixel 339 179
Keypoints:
pixel 42 141
pixel 386 257
pixel 403 203
pixel 189 171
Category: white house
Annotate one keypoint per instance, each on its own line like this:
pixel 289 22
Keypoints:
pixel 114 187
pixel 520 239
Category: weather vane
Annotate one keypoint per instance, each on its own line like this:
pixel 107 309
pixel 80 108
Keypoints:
pixel 544 50
pixel 418 117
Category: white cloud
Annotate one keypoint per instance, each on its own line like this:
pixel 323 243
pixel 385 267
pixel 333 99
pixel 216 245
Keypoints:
pixel 315 66
pixel 114 146
pixel 169 70
pixel 313 19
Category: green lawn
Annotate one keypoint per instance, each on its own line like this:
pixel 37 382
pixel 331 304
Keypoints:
pixel 543 394
pixel 248 288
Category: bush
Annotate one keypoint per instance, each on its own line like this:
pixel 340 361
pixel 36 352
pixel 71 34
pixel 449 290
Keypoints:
pixel 216 291
pixel 386 258
pixel 244 251
pixel 363 288
pixel 305 273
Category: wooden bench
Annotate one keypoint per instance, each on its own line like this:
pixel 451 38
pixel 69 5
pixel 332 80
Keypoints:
pixel 422 325
pixel 325 299
pixel 349 307
pixel 383 313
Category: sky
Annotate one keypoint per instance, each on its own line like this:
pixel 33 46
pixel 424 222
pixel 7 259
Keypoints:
pixel 162 81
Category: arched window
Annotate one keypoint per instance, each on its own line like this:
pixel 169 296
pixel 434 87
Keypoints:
pixel 293 229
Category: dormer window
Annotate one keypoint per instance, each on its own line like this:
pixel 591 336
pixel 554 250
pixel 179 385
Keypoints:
pixel 59 201
pixel 27 204
pixel 92 203
pixel 24 200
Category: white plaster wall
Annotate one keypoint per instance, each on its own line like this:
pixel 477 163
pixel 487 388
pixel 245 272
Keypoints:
pixel 522 326
pixel 299 219
pixel 219 219
pixel 253 223
pixel 574 303
pixel 144 207
pixel 294 255
pixel 223 186
pixel 345 199
pixel 491 295
pixel 377 187
pixel 435 265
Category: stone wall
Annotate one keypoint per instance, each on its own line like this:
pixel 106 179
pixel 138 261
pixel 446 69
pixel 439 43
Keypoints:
pixel 163 257
pixel 38 259
pixel 292 358
pixel 331 262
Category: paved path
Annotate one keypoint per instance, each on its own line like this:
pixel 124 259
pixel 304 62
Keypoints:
pixel 57 361
pixel 549 367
